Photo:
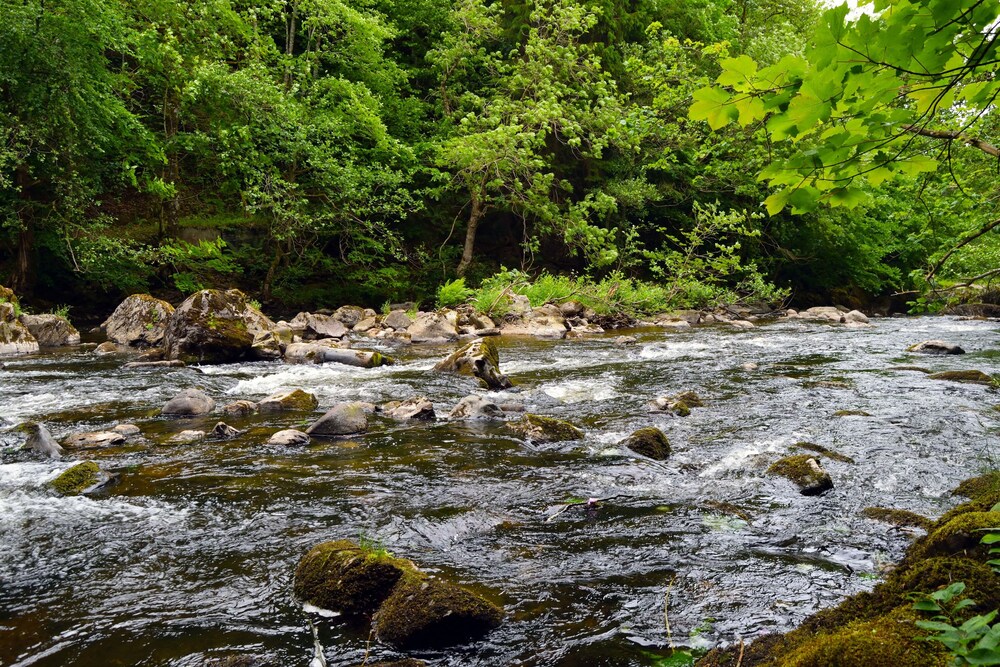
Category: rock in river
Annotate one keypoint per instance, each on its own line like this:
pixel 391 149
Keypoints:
pixel 481 359
pixel 341 419
pixel 213 327
pixel 935 347
pixel 295 400
pixel 139 321
pixel 649 442
pixel 971 377
pixel 83 478
pixel 94 439
pixel 289 438
pixel 51 330
pixel 41 441
pixel 189 403
pixel 542 430
pixel 14 336
pixel 476 407
pixel 223 431
pixel 805 471
pixel 419 408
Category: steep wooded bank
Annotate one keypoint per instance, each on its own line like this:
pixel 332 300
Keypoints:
pixel 317 152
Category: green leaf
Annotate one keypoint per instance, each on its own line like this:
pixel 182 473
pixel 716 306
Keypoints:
pixel 712 105
pixel 847 197
pixel 916 164
pixel 777 202
pixel 740 73
pixel 750 109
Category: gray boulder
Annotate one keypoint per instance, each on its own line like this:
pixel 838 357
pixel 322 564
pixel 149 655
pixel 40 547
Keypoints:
pixel 94 439
pixel 14 336
pixel 476 407
pixel 187 437
pixel 935 347
pixel 316 327
pixel 41 441
pixel 359 358
pixel 51 330
pixel 240 409
pixel 342 419
pixel 213 327
pixel 189 403
pixel 440 327
pixel 289 438
pixel 223 431
pixel 543 322
pixel 127 430
pixel 350 315
pixel 139 321
pixel 419 408
pixel 480 359
pixel 310 353
pixel 398 320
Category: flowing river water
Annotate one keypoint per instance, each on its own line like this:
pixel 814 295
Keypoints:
pixel 191 556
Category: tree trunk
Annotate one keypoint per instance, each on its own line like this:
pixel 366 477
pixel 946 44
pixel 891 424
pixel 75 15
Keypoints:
pixel 23 279
pixel 475 215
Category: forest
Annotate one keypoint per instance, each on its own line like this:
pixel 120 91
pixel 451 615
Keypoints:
pixel 320 152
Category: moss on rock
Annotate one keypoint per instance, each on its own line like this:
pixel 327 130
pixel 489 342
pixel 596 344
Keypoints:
pixel 423 613
pixel 805 472
pixel 959 535
pixel 851 413
pixel 985 486
pixel 649 442
pixel 76 480
pixel 341 576
pixel 823 451
pixel 974 377
pixel 981 584
pixel 541 430
pixel 296 400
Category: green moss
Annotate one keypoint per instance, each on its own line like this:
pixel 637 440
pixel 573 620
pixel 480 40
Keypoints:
pixel 541 430
pixel 424 613
pixel 897 517
pixel 959 535
pixel 649 442
pixel 823 451
pixel 804 471
pixel 75 480
pixel 341 576
pixel 974 377
pixel 892 640
pixel 985 486
pixel 981 584
pixel 691 399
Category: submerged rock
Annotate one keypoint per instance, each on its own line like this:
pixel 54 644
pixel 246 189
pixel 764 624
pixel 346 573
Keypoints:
pixel 428 613
pixel 419 408
pixel 650 442
pixel 289 438
pixel 223 431
pixel 83 478
pixel 480 359
pixel 476 407
pixel 679 404
pixel 805 471
pixel 295 400
pixel 359 358
pixel 342 419
pixel 972 377
pixel 94 439
pixel 51 330
pixel 542 430
pixel 900 518
pixel 187 437
pixel 139 321
pixel 172 363
pixel 935 347
pixel 189 403
pixel 41 441
pixel 106 348
pixel 823 451
pixel 342 576
pixel 240 409
pixel 127 430
pixel 213 327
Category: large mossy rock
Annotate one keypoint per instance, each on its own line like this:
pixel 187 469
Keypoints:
pixel 342 419
pixel 295 400
pixel 139 321
pixel 480 359
pixel 427 613
pixel 959 535
pixel 971 377
pixel 213 327
pixel 650 442
pixel 805 472
pixel 51 330
pixel 83 478
pixel 541 430
pixel 14 336
pixel 341 576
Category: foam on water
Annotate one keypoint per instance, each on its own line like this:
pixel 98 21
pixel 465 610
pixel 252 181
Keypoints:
pixel 576 391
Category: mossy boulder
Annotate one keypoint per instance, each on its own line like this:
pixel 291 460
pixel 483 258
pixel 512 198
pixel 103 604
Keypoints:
pixel 213 327
pixel 295 400
pixel 679 404
pixel 851 413
pixel 7 295
pixel 959 535
pixel 51 330
pixel 981 584
pixel 341 576
pixel 649 442
pixel 426 613
pixel 823 451
pixel 985 486
pixel 480 359
pixel 893 640
pixel 971 377
pixel 14 336
pixel 542 430
pixel 83 478
pixel 805 471
pixel 139 321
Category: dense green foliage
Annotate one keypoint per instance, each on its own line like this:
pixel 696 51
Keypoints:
pixel 315 152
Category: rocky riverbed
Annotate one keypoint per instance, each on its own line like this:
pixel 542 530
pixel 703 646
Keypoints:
pixel 599 550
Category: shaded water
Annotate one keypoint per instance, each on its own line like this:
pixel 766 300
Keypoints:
pixel 191 555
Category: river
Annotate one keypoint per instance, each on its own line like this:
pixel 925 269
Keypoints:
pixel 190 557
